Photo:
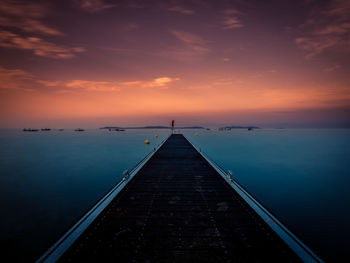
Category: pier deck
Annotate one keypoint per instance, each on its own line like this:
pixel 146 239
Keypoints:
pixel 178 209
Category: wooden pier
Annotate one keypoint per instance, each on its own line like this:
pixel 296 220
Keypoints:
pixel 178 208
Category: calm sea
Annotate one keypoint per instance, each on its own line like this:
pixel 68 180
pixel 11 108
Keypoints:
pixel 49 179
pixel 301 176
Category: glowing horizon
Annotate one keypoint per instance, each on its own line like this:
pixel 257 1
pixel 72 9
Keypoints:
pixel 109 63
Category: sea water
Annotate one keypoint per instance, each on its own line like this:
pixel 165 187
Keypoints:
pixel 302 176
pixel 48 180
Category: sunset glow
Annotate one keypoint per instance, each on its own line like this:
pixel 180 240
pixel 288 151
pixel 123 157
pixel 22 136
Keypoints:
pixel 94 62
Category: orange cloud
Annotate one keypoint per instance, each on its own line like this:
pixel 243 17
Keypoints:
pixel 92 85
pixel 16 79
pixel 159 82
pixel 89 85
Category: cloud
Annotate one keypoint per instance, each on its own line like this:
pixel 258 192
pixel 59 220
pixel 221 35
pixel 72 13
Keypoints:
pixel 334 29
pixel 38 46
pixel 326 29
pixel 160 82
pixel 192 41
pixel 26 17
pixel 315 46
pixel 230 19
pixel 181 10
pixel 22 80
pixel 93 6
pixel 93 85
pixel 16 79
pixel 106 86
pixel 230 22
pixel 71 86
pixel 332 68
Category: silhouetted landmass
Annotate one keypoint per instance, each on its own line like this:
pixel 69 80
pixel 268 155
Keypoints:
pixel 190 127
pixel 240 127
pixel 152 127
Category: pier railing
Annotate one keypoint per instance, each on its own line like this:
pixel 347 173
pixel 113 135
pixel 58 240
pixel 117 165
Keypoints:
pixel 61 246
pixel 305 253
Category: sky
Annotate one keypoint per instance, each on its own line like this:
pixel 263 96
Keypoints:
pixel 92 63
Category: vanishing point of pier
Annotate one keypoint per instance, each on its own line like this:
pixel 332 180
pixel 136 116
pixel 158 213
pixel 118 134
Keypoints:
pixel 177 208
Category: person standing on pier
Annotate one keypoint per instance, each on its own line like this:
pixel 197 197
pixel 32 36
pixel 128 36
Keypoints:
pixel 172 126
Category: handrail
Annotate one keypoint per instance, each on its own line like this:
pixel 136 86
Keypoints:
pixel 305 253
pixel 61 246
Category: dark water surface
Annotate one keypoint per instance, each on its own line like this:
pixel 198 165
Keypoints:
pixel 301 176
pixel 49 179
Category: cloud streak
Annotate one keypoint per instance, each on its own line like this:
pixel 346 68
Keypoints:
pixel 182 10
pixel 38 46
pixel 108 86
pixel 93 6
pixel 230 19
pixel 26 17
pixel 332 68
pixel 326 30
pixel 16 79
pixel 192 41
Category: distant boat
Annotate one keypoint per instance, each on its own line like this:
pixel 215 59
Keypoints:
pixel 250 129
pixel 46 129
pixel 30 130
pixel 61 129
pixel 79 130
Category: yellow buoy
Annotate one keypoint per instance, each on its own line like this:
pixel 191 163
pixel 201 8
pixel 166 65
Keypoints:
pixel 156 136
pixel 147 141
pixel 196 134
